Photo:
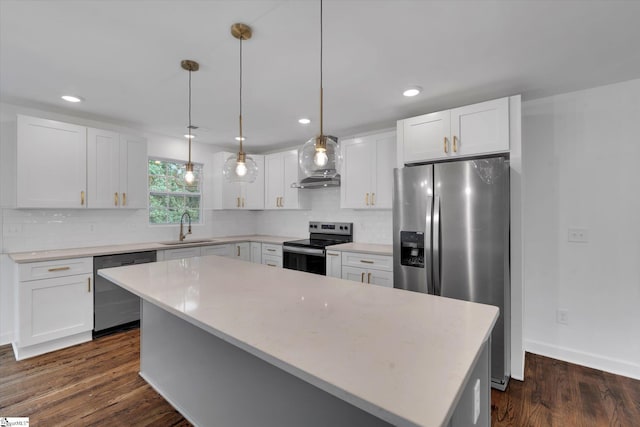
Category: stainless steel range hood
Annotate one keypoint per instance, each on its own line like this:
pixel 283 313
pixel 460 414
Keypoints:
pixel 317 182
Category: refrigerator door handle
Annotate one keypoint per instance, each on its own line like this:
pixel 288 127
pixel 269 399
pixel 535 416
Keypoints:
pixel 428 254
pixel 436 257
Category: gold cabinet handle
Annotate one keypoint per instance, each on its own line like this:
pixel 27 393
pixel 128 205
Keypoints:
pixel 446 149
pixel 366 261
pixel 366 199
pixel 243 202
pixel 82 198
pixel 368 277
pixel 124 199
pixel 115 199
pixel 272 265
pixel 60 268
pixel 238 247
pixel 271 250
pixel 88 284
pixel 455 144
pixel 237 202
pixel 362 278
pixel 330 254
pixel 373 199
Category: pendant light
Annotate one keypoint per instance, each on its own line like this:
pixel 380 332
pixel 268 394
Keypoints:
pixel 190 66
pixel 320 156
pixel 240 167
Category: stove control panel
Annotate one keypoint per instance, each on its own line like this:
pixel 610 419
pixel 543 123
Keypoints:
pixel 344 228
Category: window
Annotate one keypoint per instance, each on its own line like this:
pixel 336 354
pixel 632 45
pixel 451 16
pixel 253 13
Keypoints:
pixel 169 195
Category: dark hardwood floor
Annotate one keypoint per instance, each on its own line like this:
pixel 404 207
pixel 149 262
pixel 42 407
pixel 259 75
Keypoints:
pixel 97 383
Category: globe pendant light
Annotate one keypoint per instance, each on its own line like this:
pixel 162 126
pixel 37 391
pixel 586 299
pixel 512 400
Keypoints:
pixel 320 156
pixel 240 167
pixel 190 66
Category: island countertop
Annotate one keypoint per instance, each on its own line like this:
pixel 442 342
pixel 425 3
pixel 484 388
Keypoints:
pixel 402 356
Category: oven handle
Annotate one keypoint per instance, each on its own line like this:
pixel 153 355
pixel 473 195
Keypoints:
pixel 305 251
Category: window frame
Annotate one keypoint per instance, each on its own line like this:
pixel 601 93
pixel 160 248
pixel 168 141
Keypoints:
pixel 198 168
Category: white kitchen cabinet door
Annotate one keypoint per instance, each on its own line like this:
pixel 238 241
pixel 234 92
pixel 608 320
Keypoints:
pixel 179 253
pixel 380 278
pixel 253 193
pixel 480 128
pixel 367 171
pixel 354 274
pixel 55 308
pixel 425 137
pixel 133 172
pixel 355 186
pixel 241 251
pixel 220 250
pixel 51 164
pixel 103 167
pixel 382 176
pixel 256 252
pixel 334 264
pixel 290 176
pixel 274 178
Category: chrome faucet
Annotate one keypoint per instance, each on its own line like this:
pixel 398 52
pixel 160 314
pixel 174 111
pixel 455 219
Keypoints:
pixel 182 234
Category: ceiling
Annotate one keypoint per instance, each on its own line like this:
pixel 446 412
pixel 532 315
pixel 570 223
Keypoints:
pixel 124 57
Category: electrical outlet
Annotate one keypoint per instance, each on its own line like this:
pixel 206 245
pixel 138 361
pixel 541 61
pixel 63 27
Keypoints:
pixel 476 401
pixel 562 316
pixel 578 235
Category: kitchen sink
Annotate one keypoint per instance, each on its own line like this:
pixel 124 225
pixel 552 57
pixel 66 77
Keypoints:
pixel 186 242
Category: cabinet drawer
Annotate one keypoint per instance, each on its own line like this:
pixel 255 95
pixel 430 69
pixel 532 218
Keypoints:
pixel 369 261
pixel 220 250
pixel 57 268
pixel 271 250
pixel 170 254
pixel 272 261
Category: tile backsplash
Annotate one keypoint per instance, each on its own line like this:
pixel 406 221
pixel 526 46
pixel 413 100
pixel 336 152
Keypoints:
pixel 46 229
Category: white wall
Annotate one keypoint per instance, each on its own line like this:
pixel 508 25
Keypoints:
pixel 581 154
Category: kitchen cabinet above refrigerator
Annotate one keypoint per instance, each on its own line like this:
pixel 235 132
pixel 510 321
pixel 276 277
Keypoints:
pixel 467 131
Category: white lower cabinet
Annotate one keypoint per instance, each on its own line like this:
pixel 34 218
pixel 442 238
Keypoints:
pixel 334 264
pixel 54 301
pixel 367 268
pixel 180 253
pixel 241 251
pixel 256 252
pixel 272 255
pixel 220 250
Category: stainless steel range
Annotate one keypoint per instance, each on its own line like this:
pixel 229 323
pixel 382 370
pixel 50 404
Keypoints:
pixel 309 254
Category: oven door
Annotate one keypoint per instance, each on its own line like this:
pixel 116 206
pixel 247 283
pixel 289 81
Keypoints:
pixel 298 258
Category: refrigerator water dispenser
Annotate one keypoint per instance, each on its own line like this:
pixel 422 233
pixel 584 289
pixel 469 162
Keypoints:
pixel 412 248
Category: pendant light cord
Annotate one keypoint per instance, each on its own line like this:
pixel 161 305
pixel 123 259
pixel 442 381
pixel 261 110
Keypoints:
pixel 189 117
pixel 241 37
pixel 321 91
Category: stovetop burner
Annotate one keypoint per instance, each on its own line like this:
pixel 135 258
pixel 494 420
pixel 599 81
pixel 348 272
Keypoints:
pixel 323 234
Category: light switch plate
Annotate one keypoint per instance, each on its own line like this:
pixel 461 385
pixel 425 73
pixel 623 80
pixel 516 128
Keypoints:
pixel 578 235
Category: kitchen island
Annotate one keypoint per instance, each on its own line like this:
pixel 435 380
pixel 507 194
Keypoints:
pixel 235 344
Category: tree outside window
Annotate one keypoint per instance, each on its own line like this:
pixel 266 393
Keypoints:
pixel 169 195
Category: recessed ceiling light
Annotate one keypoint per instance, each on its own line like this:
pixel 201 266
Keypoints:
pixel 71 98
pixel 304 121
pixel 240 138
pixel 186 135
pixel 412 91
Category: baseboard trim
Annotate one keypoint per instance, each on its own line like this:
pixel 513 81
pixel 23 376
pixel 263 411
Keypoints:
pixel 590 360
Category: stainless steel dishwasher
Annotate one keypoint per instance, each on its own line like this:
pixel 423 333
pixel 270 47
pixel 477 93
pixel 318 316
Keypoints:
pixel 114 308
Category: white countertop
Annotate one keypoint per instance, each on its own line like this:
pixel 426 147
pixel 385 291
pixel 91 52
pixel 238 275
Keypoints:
pixel 400 355
pixel 367 248
pixel 34 256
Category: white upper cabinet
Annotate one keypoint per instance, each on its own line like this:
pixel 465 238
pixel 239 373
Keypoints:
pixel 367 171
pixel 237 195
pixel 281 170
pixel 133 172
pixel 51 164
pixel 93 168
pixel 466 131
pixel 116 170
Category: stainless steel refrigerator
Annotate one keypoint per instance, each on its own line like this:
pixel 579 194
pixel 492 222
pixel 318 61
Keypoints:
pixel 451 238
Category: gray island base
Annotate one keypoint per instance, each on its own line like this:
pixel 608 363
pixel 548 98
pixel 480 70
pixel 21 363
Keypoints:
pixel 229 343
